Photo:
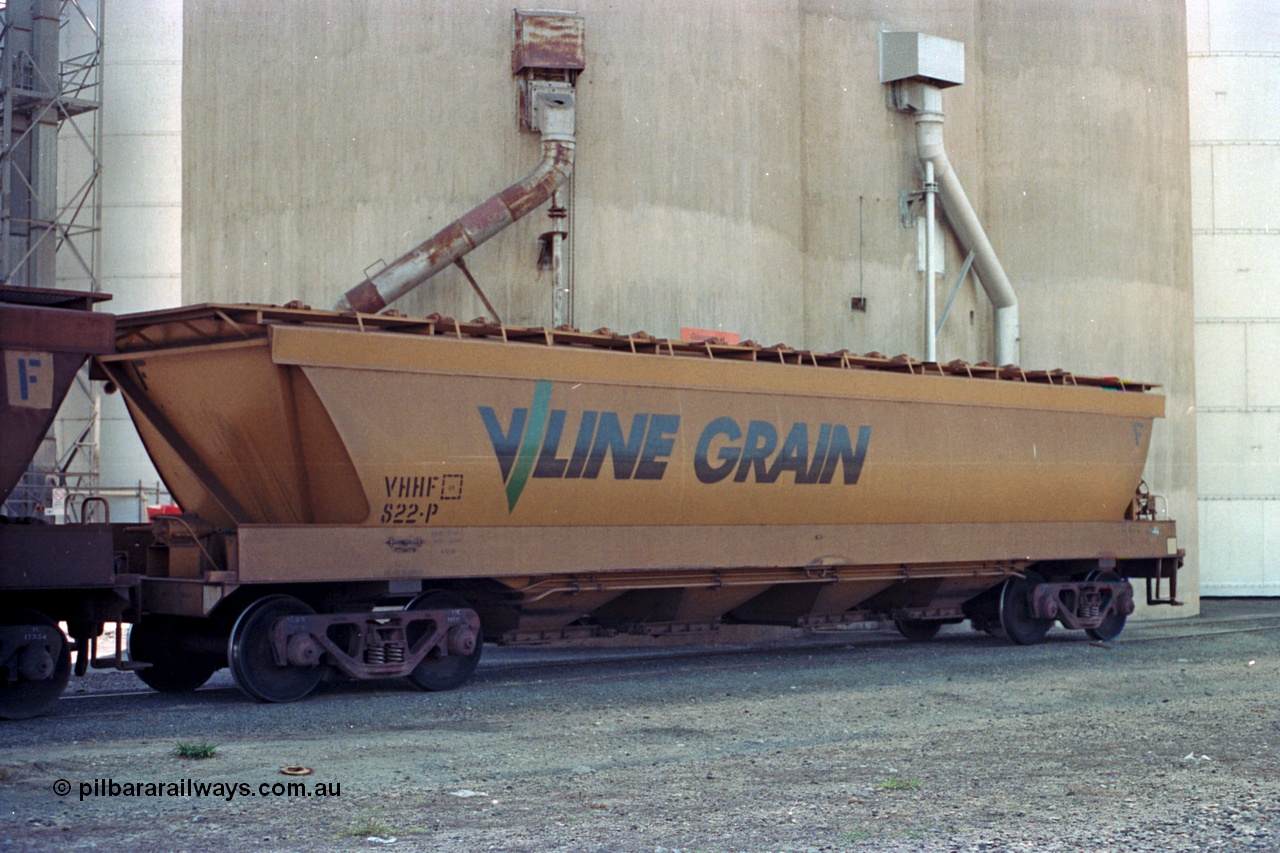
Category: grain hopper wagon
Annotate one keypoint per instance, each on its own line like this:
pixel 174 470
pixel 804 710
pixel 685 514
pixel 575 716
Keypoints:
pixel 49 574
pixel 522 484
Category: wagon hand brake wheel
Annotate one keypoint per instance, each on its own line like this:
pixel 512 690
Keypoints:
pixel 918 630
pixel 157 640
pixel 1016 619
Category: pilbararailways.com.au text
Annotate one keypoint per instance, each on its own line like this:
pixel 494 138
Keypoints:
pixel 196 788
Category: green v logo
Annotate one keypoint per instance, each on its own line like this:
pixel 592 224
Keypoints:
pixel 517 446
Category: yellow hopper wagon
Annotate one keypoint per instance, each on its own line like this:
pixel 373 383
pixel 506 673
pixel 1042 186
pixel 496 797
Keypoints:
pixel 513 484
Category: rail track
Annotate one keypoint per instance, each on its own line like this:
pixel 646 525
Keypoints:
pixel 505 667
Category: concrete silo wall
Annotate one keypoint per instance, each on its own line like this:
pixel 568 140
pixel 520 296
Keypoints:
pixel 1235 127
pixel 737 169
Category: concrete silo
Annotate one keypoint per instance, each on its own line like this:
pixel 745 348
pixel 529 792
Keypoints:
pixel 1234 67
pixel 141 209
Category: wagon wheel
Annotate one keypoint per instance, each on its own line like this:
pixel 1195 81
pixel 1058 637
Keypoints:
pixel 1016 620
pixel 918 630
pixel 1110 627
pixel 437 672
pixel 42 669
pixel 157 640
pixel 252 662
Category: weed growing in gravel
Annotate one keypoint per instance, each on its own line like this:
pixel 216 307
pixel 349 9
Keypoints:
pixel 896 784
pixel 369 826
pixel 195 750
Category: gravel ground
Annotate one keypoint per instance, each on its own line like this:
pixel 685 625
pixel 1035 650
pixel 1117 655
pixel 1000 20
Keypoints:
pixel 1165 740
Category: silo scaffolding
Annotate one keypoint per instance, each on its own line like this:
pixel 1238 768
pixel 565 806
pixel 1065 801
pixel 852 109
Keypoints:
pixel 50 137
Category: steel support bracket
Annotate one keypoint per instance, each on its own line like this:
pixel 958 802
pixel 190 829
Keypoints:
pixel 906 214
pixel 1167 570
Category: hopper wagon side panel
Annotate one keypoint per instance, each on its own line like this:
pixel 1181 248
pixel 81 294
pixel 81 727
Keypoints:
pixel 238 439
pixel 42 346
pixel 324 426
pixel 535 436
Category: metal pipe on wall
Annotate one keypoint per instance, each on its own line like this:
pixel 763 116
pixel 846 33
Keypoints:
pixel 965 223
pixel 458 238
pixel 930 286
pixel 561 314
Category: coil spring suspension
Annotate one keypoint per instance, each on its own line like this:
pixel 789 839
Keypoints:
pixel 389 653
pixel 1090 605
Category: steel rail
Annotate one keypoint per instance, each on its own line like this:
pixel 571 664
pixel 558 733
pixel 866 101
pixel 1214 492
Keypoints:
pixel 492 673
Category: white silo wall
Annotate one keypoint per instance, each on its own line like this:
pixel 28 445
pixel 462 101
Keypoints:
pixel 141 255
pixel 1235 165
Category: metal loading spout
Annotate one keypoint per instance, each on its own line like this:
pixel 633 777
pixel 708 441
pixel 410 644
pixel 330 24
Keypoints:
pixel 968 228
pixel 451 243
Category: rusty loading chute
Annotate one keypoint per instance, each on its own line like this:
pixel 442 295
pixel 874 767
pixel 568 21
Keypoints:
pixel 555 115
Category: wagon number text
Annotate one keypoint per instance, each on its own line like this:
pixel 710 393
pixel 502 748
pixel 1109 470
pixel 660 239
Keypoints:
pixel 409 498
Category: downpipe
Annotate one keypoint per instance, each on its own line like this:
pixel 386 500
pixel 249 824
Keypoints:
pixel 967 227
